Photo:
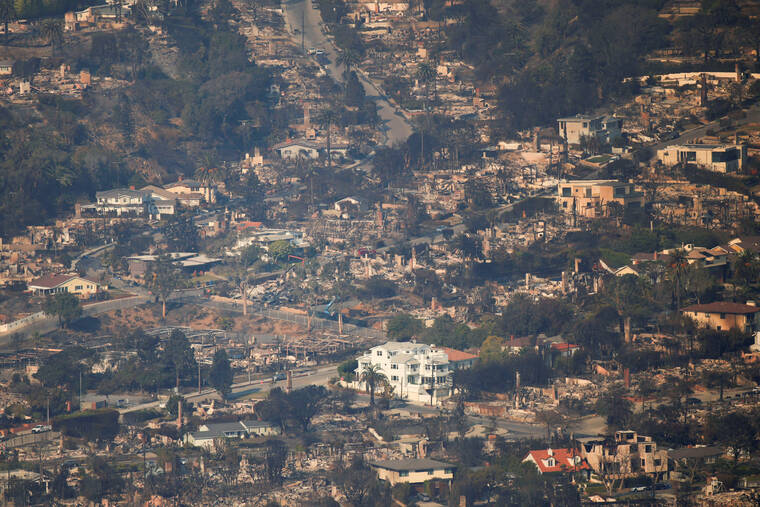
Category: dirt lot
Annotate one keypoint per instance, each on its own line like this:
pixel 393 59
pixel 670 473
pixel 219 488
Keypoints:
pixel 197 317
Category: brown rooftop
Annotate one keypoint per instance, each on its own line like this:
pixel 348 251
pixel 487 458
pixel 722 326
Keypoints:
pixel 53 281
pixel 722 307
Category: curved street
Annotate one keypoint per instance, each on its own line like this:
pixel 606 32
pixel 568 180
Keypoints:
pixel 300 13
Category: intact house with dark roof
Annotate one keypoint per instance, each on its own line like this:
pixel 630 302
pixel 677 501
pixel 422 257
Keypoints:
pixel 724 315
pixel 412 471
pixel 57 284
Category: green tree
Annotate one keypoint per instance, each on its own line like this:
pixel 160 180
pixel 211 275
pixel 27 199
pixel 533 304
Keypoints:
pixel 101 481
pixel 163 280
pixel 279 250
pixel 7 14
pixel 492 349
pixel 239 275
pixel 403 327
pixel 736 430
pixel 275 457
pixel 372 377
pixel 179 355
pixel 92 425
pixel 221 375
pixel 613 405
pixel 326 119
pixel 746 268
pixel 348 58
pixel 65 306
pixel 304 404
pixel 347 368
pixel 172 405
pixel 208 174
pixel 52 31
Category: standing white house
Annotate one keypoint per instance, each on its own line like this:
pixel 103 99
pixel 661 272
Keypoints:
pixel 417 372
pixel 573 128
pixel 720 158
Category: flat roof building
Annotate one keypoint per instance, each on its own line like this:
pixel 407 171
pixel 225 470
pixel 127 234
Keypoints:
pixel 412 471
pixel 592 198
pixel 574 128
pixel 721 158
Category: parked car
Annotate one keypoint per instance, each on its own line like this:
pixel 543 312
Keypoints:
pixel 41 428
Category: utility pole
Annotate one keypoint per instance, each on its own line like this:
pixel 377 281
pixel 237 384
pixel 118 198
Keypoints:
pixel 303 23
pixel 80 390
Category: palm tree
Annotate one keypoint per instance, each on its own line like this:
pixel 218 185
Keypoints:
pixel 372 376
pixel 7 14
pixel 326 119
pixel 425 74
pixel 348 58
pixel 208 174
pixel 52 30
pixel 678 264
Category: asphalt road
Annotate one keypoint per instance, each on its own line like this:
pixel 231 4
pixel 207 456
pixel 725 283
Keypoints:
pixel 396 127
pixel 752 116
pixel 318 376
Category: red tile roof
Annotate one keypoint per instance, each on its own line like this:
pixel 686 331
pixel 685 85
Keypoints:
pixel 564 346
pixel 722 307
pixel 564 460
pixel 457 355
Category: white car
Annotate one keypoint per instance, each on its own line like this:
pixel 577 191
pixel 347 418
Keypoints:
pixel 41 428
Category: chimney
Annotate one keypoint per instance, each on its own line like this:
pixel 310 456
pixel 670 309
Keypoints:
pixel 179 178
pixel 527 281
pixel 131 187
pixel 627 329
pixel 550 452
pixel 655 255
pixel 577 265
pixel 703 92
